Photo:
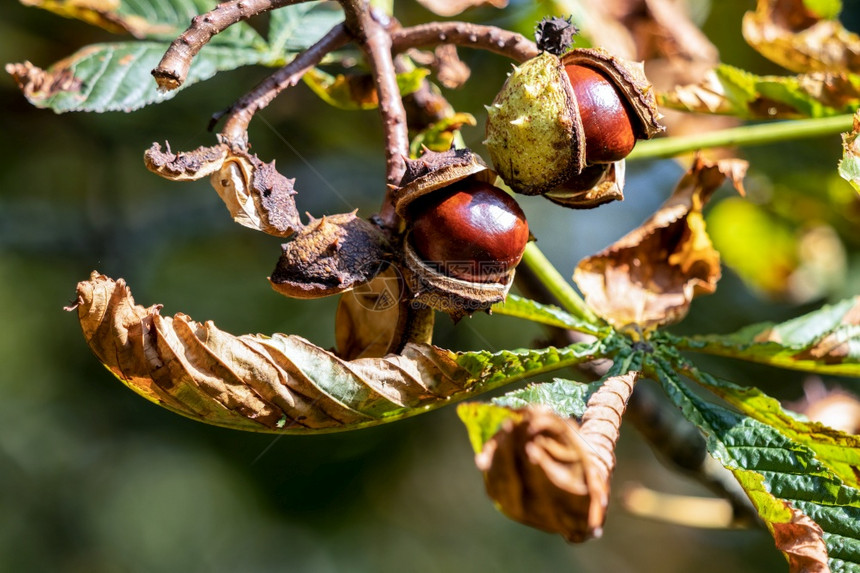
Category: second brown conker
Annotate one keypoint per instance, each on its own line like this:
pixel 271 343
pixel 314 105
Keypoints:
pixel 470 230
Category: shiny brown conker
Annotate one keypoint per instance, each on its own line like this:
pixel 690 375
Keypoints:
pixel 469 230
pixel 609 132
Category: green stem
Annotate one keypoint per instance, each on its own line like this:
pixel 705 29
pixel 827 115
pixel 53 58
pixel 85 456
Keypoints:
pixel 758 134
pixel 557 285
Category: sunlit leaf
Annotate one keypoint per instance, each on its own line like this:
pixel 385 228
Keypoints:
pixel 802 35
pixel 515 305
pixel 793 492
pixel 153 19
pixel 440 135
pixel 284 383
pixel 116 77
pixel 566 397
pixel 482 421
pixel 357 91
pixel 649 277
pixel 840 452
pixel 825 341
pixel 732 91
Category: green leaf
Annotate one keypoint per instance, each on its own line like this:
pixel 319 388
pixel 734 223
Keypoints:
pixel 839 451
pixel 482 421
pixel 116 77
pixel 549 315
pixel 352 92
pixel 774 470
pixel 150 19
pixel 511 365
pixel 567 397
pixel 297 27
pixel 826 341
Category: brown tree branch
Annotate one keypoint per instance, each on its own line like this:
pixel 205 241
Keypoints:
pixel 171 71
pixel 368 29
pixel 515 46
pixel 239 115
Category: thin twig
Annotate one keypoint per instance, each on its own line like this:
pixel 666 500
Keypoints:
pixel 174 65
pixel 375 41
pixel 239 115
pixel 515 46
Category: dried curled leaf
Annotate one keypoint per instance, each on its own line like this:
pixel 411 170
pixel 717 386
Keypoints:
pixel 282 383
pixel 541 472
pixel 39 84
pixel 849 166
pixel 789 33
pixel 266 384
pixel 542 468
pixel 329 256
pixel 649 277
pixel 255 193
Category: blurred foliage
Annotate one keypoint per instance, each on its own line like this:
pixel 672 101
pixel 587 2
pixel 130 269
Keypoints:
pixel 93 479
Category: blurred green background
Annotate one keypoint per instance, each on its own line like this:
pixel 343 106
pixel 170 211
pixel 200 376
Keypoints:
pixel 95 479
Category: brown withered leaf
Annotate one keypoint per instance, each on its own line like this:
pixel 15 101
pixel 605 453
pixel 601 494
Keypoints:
pixel 105 14
pixel 802 542
pixel 453 7
pixel 541 472
pixel 259 383
pixel 376 318
pixel 329 256
pixel 788 33
pixel 39 84
pixel 649 277
pixel 255 193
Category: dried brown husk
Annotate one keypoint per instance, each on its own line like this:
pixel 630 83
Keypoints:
pixel 329 256
pixel 255 193
pixel 649 277
pixel 437 170
pixel 456 297
pixel 377 318
pixel 609 188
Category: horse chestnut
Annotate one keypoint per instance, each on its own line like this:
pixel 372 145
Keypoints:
pixel 556 116
pixel 469 230
pixel 609 135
